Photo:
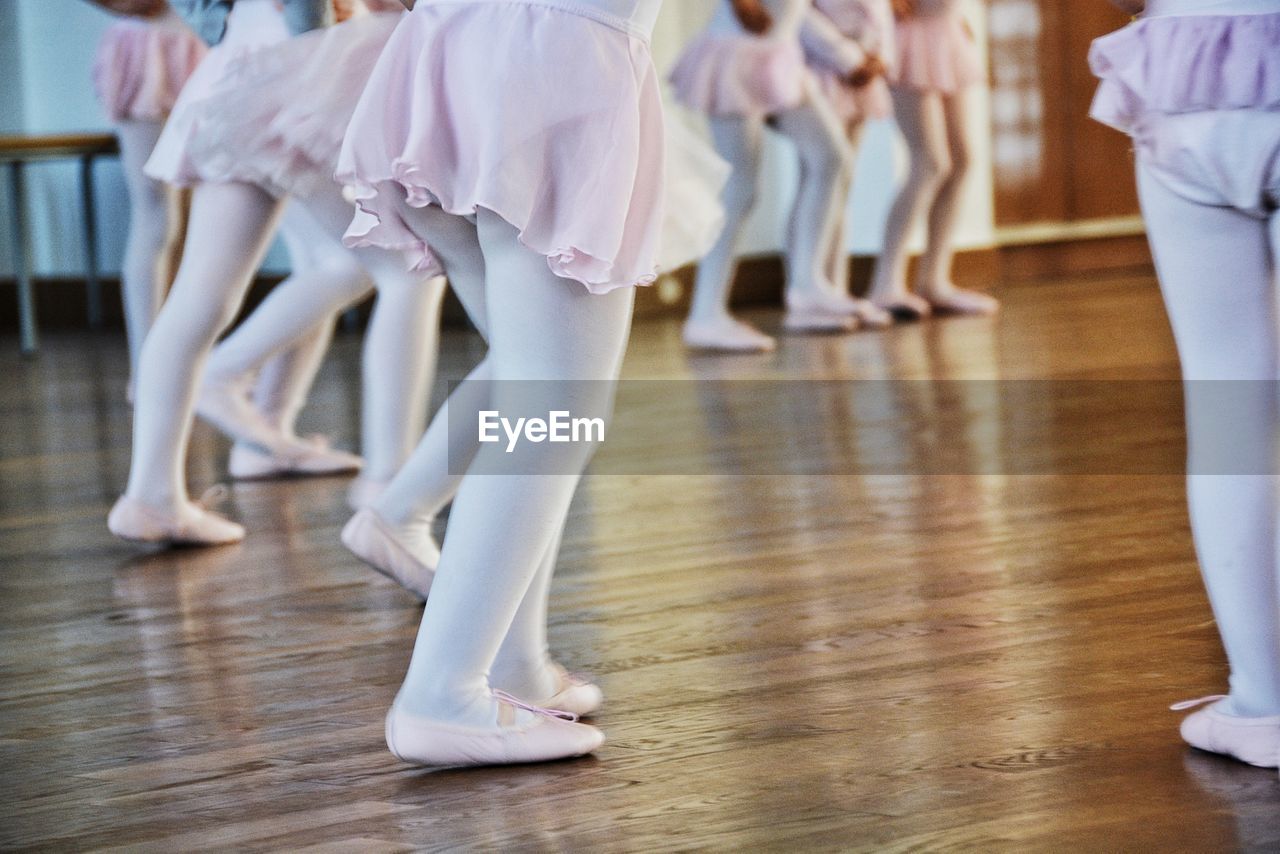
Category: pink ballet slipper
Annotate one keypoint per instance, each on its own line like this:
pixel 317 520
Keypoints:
pixel 192 525
pixel 226 405
pixel 544 735
pixel 726 334
pixel 411 563
pixel 576 694
pixel 869 315
pixel 819 312
pixel 953 300
pixel 1255 741
pixel 310 457
pixel 904 306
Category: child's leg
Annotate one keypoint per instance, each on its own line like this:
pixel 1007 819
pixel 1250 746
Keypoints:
pixel 231 225
pixel 399 364
pixel 934 274
pixel 923 123
pixel 824 161
pixel 400 345
pixel 502 526
pixel 285 382
pixel 868 314
pixel 394 535
pixel 151 220
pixel 298 313
pixel 711 325
pixel 1219 281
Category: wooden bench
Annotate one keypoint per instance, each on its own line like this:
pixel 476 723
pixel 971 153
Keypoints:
pixel 17 152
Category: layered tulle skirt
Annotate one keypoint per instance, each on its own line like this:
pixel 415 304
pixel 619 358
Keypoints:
pixel 937 53
pixel 1200 95
pixel 283 113
pixel 142 65
pixel 549 118
pixel 213 98
pixel 731 74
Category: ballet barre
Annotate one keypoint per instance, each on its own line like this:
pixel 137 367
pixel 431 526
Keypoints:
pixel 16 152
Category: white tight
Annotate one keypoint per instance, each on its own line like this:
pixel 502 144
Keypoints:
pixel 820 142
pixel 229 232
pixel 152 237
pixel 230 229
pixel 1218 273
pixel 936 128
pixel 400 345
pixel 837 271
pixel 284 383
pixel 489 595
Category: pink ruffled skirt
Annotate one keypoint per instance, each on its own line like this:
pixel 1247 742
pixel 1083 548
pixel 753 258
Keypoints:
pixel 1200 95
pixel 549 118
pixel 937 53
pixel 142 65
pixel 269 136
pixel 740 75
pixel 211 99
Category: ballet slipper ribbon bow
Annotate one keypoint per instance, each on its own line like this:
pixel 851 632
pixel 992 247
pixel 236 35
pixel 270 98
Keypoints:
pixel 1191 704
pixel 504 697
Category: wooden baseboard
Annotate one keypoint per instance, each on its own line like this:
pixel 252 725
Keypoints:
pixel 60 302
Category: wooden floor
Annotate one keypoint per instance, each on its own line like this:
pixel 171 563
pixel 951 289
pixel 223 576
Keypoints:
pixel 792 662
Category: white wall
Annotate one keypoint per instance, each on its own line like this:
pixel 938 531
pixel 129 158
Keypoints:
pixel 47 47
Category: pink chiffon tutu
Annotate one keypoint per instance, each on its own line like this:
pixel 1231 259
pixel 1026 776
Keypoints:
pixel 211 99
pixel 695 179
pixel 269 136
pixel 740 75
pixel 142 65
pixel 1200 95
pixel 541 112
pixel 1185 64
pixel 937 53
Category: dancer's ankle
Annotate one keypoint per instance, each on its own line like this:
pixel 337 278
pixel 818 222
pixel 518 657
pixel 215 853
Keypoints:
pixel 473 705
pixel 531 679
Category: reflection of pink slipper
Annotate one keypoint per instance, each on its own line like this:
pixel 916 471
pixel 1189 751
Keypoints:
pixel 193 525
pixel 524 733
pixel 961 301
pixel 1255 741
pixel 726 334
pixel 904 306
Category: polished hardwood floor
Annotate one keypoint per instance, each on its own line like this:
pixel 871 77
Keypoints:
pixel 793 661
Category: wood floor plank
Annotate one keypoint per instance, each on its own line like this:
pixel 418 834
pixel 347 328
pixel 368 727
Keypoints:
pixel 793 660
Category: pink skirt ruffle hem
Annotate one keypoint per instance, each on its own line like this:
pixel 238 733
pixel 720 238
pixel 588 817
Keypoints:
pixel 548 118
pixel 265 133
pixel 1186 64
pixel 201 110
